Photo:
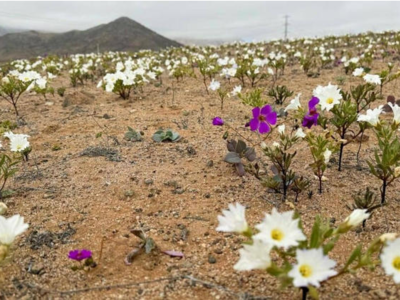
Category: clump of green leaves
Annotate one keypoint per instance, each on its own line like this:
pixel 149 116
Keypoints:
pixel 385 164
pixel 284 178
pixel 61 91
pixel 366 200
pixel 253 98
pixel 238 150
pixel 146 245
pixel 321 149
pixel 280 93
pixel 166 136
pixel 8 167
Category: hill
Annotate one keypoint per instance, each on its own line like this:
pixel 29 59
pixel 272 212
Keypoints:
pixel 122 34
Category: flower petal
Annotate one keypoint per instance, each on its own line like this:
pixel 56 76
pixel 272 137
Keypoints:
pixel 264 128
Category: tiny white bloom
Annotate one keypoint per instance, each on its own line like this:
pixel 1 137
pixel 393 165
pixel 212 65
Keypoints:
pixel 281 129
pixel 233 220
pixel 10 228
pixel 214 85
pixel 327 155
pixel 390 258
pixel 294 103
pixel 276 145
pixel 254 257
pixel 263 145
pixel 396 113
pixel 357 217
pixel 375 79
pixel 312 267
pixel 372 116
pixel 237 89
pixel 358 72
pixel 300 133
pixel 280 229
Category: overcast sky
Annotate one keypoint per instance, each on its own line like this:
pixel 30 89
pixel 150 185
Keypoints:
pixel 209 20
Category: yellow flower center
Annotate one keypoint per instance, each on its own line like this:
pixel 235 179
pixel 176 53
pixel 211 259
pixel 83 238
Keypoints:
pixel 305 270
pixel 19 147
pixel 277 234
pixel 329 100
pixel 396 263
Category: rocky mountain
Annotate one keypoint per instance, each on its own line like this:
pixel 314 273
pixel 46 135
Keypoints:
pixel 122 34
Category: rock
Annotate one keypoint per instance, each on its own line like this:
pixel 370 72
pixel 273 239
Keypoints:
pixel 149 181
pixel 212 259
pixel 78 98
pixel 380 294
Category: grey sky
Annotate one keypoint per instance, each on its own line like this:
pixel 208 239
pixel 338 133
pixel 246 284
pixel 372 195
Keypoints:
pixel 209 20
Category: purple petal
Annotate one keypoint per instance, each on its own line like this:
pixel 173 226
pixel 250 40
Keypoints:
pixel 264 128
pixel 256 112
pixel 174 253
pixel 310 120
pixel 217 121
pixel 266 110
pixel 254 123
pixel 312 103
pixel 271 118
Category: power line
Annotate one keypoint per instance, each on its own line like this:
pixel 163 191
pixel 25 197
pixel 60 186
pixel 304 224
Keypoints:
pixel 286 26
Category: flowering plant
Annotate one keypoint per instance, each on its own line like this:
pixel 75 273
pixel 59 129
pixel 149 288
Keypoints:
pixel 279 239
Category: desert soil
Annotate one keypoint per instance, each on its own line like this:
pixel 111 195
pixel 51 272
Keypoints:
pixel 173 191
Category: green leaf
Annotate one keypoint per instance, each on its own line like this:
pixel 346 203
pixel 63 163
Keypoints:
pixel 313 292
pixel 150 245
pixel 99 135
pixel 232 158
pixel 315 234
pixel 356 254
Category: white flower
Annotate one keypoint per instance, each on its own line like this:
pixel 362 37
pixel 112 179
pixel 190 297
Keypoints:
pixel 263 145
pixel 328 96
pixel 280 229
pixel 254 257
pixel 233 220
pixel 10 228
pixel 18 142
pixel 214 85
pixel 281 129
pixel 390 258
pixel 51 75
pixel 396 113
pixel 294 103
pixel 276 145
pixel 109 86
pixel 100 84
pixel 358 72
pixel 236 90
pixel 41 83
pixel 356 217
pixel 312 267
pixel 300 133
pixel 327 155
pixel 375 79
pixel 372 116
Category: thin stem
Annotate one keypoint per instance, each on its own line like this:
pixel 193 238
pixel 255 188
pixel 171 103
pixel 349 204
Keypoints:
pixel 305 292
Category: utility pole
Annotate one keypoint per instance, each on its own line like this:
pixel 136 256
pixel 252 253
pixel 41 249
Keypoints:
pixel 286 26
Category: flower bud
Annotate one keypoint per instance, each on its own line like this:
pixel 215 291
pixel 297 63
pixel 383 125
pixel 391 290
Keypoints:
pixel 390 236
pixel 3 208
pixel 3 252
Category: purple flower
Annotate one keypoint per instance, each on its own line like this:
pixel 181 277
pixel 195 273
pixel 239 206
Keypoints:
pixel 217 121
pixel 263 118
pixel 80 254
pixel 311 118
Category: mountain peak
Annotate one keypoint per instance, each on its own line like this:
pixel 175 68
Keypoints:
pixel 122 34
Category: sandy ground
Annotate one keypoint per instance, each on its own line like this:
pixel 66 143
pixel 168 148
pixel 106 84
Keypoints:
pixel 170 190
